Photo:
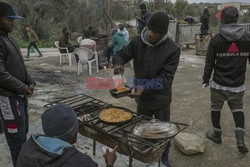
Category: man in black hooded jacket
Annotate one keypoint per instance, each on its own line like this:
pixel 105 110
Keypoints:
pixel 155 57
pixel 16 85
pixel 227 55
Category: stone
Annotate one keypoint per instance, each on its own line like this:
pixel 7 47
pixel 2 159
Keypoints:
pixel 190 144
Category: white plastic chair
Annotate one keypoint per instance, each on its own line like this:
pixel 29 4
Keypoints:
pixel 79 39
pixel 83 53
pixel 64 55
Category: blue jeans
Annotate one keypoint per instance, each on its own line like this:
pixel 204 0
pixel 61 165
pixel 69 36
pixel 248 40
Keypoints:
pixel 14 116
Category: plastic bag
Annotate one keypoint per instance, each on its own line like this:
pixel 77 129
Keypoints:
pixel 119 80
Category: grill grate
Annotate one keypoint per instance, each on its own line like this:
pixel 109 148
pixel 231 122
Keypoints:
pixel 87 109
pixel 81 103
pixel 84 104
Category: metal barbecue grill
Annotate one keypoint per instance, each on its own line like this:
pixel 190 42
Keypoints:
pixel 87 109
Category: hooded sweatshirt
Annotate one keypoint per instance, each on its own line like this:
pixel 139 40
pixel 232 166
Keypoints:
pixel 125 33
pixel 227 55
pixel 154 68
pixel 41 151
pixel 118 41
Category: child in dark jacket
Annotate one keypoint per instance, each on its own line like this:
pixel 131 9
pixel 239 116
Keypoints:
pixel 55 148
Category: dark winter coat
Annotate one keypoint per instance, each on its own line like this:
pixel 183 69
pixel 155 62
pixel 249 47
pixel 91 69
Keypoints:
pixel 144 19
pixel 205 22
pixel 41 151
pixel 227 55
pixel 156 62
pixel 13 73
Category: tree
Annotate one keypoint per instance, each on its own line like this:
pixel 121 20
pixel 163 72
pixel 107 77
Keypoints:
pixel 180 8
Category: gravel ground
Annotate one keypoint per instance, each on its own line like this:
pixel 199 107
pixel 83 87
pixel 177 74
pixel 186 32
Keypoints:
pixel 190 105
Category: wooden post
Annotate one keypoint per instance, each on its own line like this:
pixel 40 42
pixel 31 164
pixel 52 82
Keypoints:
pixel 110 16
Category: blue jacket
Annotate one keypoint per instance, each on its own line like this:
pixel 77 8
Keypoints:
pixel 41 151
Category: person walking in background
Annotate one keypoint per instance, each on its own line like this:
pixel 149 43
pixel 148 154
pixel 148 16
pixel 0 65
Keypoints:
pixel 124 31
pixel 16 85
pixel 227 56
pixel 156 57
pixel 33 39
pixel 143 18
pixel 205 22
pixel 55 148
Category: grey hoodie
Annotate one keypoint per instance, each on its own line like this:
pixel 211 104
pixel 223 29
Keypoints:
pixel 144 37
pixel 231 32
pixel 227 55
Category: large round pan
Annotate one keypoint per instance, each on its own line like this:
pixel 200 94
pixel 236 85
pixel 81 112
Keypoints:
pixel 115 115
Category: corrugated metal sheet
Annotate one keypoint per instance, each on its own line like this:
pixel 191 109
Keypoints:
pixel 172 29
pixel 246 26
pixel 186 33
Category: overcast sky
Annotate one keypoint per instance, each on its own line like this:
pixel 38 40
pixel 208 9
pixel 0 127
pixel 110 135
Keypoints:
pixel 216 1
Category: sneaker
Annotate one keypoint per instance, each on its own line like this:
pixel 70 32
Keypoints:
pixel 40 55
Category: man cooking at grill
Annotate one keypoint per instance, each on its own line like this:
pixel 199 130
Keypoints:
pixel 55 148
pixel 156 57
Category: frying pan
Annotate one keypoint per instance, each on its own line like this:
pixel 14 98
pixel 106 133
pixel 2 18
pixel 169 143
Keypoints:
pixel 114 123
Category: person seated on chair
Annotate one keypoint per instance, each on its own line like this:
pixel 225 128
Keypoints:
pixel 64 42
pixel 54 148
pixel 88 43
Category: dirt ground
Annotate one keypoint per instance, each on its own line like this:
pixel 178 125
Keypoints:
pixel 190 105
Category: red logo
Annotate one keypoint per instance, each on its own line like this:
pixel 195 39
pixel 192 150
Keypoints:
pixel 233 48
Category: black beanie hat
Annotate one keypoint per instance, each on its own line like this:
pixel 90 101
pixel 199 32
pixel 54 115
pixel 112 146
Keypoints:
pixel 60 121
pixel 143 6
pixel 159 22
